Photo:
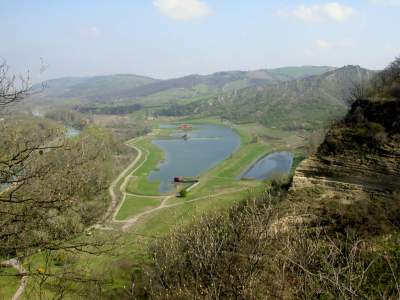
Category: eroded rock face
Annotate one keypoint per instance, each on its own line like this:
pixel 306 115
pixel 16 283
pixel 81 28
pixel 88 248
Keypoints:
pixel 360 153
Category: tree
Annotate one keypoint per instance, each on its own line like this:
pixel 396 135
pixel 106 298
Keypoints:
pixel 43 181
pixel 10 92
pixel 387 83
pixel 183 193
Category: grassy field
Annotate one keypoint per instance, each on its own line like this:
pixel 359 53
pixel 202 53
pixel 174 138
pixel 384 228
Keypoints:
pixel 8 282
pixel 139 184
pixel 165 220
pixel 134 205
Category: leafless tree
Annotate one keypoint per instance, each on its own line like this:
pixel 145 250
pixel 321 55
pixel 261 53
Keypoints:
pixel 42 180
pixel 358 90
pixel 10 90
pixel 387 82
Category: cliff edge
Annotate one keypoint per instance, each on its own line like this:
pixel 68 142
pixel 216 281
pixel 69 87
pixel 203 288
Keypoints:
pixel 360 155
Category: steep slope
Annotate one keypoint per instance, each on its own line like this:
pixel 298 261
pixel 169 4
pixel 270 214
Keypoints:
pixel 301 103
pixel 360 155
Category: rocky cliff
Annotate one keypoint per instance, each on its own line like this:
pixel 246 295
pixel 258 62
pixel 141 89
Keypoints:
pixel 360 155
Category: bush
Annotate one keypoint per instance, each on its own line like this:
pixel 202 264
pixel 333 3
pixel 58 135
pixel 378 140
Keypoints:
pixel 376 127
pixel 183 193
pixel 62 258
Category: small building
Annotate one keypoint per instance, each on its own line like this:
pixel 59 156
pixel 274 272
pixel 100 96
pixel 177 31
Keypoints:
pixel 186 127
pixel 178 179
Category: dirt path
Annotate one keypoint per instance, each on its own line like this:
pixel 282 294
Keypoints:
pixel 130 222
pixel 14 263
pixel 125 183
pixel 125 173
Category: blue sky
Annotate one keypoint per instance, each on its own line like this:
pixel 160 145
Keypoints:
pixel 172 38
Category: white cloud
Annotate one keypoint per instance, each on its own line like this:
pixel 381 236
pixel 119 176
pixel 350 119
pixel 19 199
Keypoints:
pixel 332 11
pixel 386 2
pixel 182 9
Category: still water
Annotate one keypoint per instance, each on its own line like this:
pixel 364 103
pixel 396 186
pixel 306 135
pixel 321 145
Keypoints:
pixel 200 150
pixel 275 164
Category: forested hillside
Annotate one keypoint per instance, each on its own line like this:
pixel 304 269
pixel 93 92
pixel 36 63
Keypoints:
pixel 302 103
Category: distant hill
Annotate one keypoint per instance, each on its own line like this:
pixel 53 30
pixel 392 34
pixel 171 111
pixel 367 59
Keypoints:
pixel 88 89
pixel 308 102
pixel 133 88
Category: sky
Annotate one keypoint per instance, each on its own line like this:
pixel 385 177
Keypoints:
pixel 173 38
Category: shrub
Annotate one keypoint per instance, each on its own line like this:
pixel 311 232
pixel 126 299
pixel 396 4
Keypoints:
pixel 62 258
pixel 376 127
pixel 183 193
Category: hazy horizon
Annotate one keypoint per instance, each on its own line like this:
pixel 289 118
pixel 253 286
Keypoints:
pixel 189 74
pixel 172 38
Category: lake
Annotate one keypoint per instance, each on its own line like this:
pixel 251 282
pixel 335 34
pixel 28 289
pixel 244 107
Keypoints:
pixel 204 147
pixel 275 164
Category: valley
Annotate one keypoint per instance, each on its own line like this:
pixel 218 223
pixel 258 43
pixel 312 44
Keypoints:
pixel 214 154
pixel 142 192
pixel 198 149
pixel 196 157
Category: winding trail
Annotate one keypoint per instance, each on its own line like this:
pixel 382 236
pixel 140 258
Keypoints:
pixel 125 173
pixel 130 222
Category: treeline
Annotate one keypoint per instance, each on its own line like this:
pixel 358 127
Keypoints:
pixel 177 110
pixel 110 110
pixel 69 117
pixel 386 84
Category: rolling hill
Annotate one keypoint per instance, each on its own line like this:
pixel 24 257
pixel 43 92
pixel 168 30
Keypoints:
pixel 138 89
pixel 87 89
pixel 300 103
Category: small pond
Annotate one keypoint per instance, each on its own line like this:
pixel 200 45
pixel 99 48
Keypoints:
pixel 275 164
pixel 201 149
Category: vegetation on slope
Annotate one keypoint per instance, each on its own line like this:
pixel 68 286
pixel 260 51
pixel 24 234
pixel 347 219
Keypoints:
pixel 59 190
pixel 251 253
pixel 128 91
pixel 307 103
pixel 88 88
